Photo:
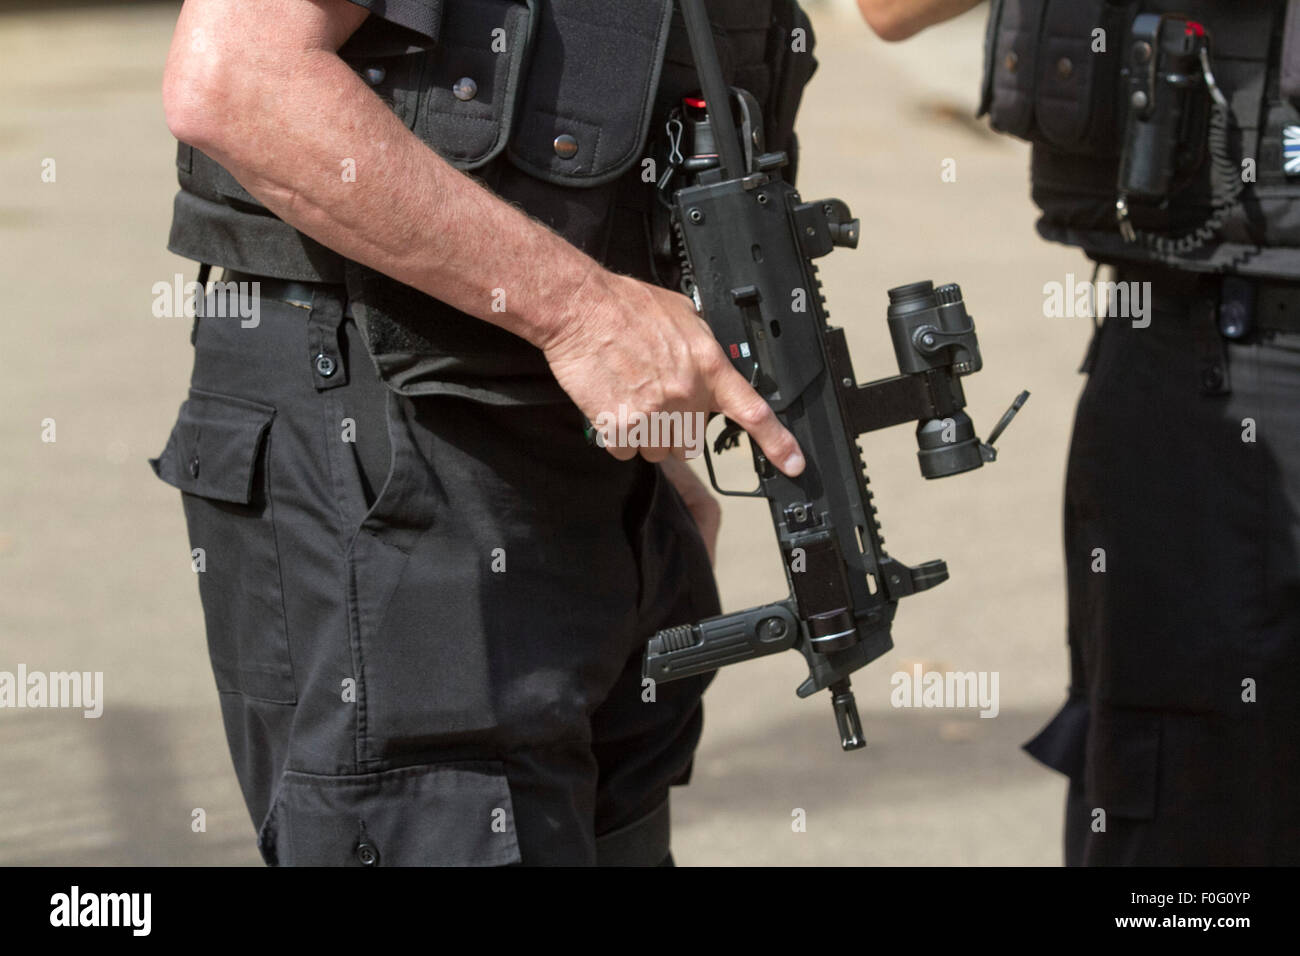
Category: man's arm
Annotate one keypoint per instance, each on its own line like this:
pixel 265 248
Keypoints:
pixel 899 19
pixel 260 88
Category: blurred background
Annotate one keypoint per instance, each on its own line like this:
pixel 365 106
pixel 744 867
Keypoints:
pixel 94 561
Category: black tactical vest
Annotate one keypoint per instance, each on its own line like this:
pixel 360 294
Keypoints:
pixel 552 104
pixel 1046 82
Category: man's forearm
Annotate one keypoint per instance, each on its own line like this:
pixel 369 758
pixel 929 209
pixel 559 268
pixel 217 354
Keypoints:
pixel 900 19
pixel 288 122
pixel 267 96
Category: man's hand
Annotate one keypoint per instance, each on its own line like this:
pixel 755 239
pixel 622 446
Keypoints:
pixel 638 349
pixel 260 88
pixel 899 19
pixel 704 508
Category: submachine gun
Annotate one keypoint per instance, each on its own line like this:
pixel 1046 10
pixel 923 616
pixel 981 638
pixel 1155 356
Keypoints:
pixel 747 242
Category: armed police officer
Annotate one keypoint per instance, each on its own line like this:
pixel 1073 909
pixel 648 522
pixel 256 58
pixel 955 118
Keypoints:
pixel 426 592
pixel 1165 145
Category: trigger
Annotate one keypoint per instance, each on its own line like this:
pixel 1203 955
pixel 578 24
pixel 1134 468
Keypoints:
pixel 728 438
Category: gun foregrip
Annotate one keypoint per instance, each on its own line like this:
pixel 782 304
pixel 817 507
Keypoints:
pixel 690 649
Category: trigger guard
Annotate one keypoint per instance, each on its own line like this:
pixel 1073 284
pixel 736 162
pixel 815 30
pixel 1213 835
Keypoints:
pixel 713 478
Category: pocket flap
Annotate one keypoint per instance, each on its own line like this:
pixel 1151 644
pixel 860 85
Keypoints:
pixel 471 82
pixel 1066 95
pixel 1123 763
pixel 454 814
pixel 1062 744
pixel 213 448
pixel 581 44
pixel 1011 60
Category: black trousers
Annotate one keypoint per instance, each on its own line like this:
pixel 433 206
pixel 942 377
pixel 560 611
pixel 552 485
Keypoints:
pixel 426 616
pixel 1181 735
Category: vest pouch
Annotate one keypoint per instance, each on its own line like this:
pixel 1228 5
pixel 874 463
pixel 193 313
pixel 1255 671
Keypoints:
pixel 459 94
pixel 1077 106
pixel 206 177
pixel 470 86
pixel 590 92
pixel 1052 72
pixel 394 75
pixel 1010 70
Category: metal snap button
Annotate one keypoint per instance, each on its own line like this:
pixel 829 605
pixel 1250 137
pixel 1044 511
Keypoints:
pixel 194 467
pixel 566 147
pixel 325 365
pixel 1233 319
pixel 367 854
pixel 1065 66
pixel 465 88
pixel 1012 61
pixel 375 75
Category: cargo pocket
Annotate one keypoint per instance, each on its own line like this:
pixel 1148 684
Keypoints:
pixel 1123 757
pixel 216 456
pixel 455 814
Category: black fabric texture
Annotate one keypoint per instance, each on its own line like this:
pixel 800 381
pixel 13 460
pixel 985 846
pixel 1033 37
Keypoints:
pixel 423 16
pixel 1191 496
pixel 471 133
pixel 1074 117
pixel 429 613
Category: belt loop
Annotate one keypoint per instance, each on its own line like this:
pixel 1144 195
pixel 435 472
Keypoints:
pixel 1211 347
pixel 326 355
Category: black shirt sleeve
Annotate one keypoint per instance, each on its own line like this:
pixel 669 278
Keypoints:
pixel 423 16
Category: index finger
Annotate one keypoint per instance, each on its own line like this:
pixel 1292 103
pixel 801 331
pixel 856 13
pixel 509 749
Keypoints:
pixel 737 400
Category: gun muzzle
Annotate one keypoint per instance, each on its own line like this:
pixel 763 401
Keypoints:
pixel 846 716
